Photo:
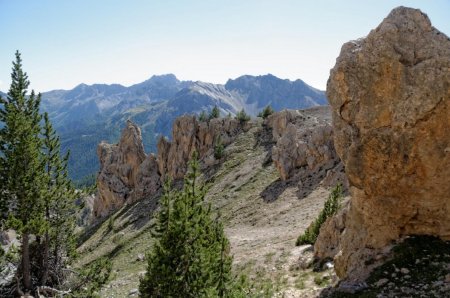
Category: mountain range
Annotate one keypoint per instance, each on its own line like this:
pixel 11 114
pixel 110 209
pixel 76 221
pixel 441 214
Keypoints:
pixel 88 114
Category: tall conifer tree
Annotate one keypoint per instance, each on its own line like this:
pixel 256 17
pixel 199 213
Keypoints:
pixel 35 189
pixel 59 208
pixel 22 170
pixel 191 255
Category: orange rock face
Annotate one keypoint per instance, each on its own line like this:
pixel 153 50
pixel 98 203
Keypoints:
pixel 390 96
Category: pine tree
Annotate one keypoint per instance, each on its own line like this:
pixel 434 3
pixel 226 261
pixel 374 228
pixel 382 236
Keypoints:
pixel 22 166
pixel 242 116
pixel 215 113
pixel 224 277
pixel 202 117
pixel 3 201
pixel 266 112
pixel 35 189
pixel 59 208
pixel 191 255
pixel 219 148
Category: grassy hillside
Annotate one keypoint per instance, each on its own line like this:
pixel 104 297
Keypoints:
pixel 262 215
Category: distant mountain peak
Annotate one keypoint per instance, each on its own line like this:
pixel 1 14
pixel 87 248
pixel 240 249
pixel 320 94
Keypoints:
pixel 167 79
pixel 81 86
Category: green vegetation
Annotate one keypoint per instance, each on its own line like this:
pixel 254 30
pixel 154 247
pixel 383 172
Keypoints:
pixel 22 172
pixel 111 223
pixel 242 116
pixel 97 274
pixel 299 282
pixel 266 112
pixel 330 208
pixel 215 113
pixel 321 280
pixel 36 193
pixel 83 159
pixel 87 182
pixel 191 255
pixel 219 148
pixel 203 117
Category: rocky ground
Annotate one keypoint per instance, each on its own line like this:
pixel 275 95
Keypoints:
pixel 264 215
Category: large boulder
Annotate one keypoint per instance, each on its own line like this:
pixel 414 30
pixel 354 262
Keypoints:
pixel 390 96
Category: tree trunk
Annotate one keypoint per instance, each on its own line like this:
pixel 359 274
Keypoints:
pixel 45 261
pixel 26 262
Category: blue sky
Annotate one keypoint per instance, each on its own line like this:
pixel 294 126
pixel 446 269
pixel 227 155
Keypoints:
pixel 64 43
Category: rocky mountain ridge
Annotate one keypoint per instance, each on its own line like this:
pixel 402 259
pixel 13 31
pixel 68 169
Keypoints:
pixel 243 92
pixel 308 130
pixel 88 114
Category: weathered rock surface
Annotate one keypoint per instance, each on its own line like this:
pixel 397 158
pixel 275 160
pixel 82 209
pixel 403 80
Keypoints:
pixel 327 245
pixel 147 179
pixel 128 175
pixel 119 169
pixel 304 138
pixel 189 135
pixel 390 96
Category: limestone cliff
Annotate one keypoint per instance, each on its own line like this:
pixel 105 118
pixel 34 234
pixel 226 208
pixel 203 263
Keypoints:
pixel 390 96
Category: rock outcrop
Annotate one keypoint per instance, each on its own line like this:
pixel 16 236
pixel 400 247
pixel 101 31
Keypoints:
pixel 390 96
pixel 120 171
pixel 148 180
pixel 189 135
pixel 303 138
pixel 128 175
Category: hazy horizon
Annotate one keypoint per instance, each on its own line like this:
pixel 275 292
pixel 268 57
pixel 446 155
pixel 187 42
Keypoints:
pixel 67 43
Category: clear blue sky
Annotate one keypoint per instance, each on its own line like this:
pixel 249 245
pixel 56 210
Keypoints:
pixel 64 43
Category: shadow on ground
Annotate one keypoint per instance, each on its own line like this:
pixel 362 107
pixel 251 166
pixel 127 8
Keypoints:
pixel 305 180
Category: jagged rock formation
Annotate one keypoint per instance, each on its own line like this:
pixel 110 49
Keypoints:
pixel 120 164
pixel 189 135
pixel 390 95
pixel 147 179
pixel 127 174
pixel 302 138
